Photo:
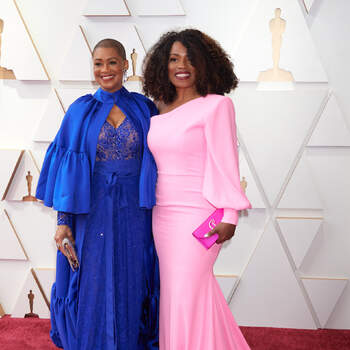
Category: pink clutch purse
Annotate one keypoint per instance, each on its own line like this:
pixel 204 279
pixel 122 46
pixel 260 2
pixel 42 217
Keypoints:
pixel 214 219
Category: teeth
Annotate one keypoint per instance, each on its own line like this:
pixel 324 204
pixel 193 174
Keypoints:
pixel 107 77
pixel 182 75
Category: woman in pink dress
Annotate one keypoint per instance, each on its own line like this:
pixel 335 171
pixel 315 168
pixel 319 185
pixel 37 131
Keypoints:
pixel 194 144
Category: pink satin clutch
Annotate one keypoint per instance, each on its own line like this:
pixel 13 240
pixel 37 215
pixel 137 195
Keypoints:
pixel 214 219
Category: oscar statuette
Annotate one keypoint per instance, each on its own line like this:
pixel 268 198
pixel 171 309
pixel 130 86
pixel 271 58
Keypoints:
pixel 277 27
pixel 31 314
pixel 134 77
pixel 244 185
pixel 29 197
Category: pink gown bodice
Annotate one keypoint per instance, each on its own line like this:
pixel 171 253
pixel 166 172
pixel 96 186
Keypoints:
pixel 197 143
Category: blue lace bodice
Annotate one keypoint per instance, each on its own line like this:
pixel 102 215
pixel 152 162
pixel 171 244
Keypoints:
pixel 122 143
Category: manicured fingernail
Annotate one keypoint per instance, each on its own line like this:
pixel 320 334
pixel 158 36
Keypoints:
pixel 206 235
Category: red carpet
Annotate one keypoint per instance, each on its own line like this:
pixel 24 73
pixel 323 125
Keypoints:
pixel 33 334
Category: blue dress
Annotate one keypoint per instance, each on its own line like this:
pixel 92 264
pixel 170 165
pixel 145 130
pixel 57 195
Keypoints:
pixel 111 302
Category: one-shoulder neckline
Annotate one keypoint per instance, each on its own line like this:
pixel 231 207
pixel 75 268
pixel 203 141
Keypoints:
pixel 183 105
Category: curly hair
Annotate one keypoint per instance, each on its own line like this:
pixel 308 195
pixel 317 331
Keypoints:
pixel 214 70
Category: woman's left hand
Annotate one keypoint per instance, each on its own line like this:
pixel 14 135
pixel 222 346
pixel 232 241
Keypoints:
pixel 224 230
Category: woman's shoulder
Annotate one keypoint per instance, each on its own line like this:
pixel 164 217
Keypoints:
pixel 213 103
pixel 81 101
pixel 217 99
pixel 218 105
pixel 146 101
pixel 140 97
pixel 78 110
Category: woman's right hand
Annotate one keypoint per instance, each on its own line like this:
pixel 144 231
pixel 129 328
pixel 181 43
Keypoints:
pixel 63 231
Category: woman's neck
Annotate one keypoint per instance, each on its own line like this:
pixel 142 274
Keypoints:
pixel 185 95
pixel 182 96
pixel 111 91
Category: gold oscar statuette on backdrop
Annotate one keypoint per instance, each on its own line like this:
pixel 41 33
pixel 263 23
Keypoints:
pixel 277 27
pixel 4 73
pixel 134 77
pixel 29 197
pixel 244 185
pixel 31 305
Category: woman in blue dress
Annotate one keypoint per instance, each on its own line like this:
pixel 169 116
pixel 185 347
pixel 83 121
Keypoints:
pixel 100 176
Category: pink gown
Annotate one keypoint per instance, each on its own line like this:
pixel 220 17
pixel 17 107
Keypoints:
pixel 195 149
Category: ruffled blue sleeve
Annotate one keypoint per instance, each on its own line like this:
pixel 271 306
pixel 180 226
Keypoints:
pixel 64 182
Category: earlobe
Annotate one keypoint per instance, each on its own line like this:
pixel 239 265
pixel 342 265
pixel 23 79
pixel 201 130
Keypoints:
pixel 126 65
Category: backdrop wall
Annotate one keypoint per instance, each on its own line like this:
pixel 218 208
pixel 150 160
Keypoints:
pixel 288 264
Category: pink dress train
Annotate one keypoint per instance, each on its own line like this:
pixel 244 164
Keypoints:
pixel 195 148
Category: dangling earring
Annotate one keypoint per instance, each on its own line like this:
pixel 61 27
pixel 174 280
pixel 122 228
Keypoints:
pixel 125 78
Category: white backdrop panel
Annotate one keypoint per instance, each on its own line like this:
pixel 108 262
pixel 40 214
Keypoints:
pixel 77 63
pixel 308 4
pixel 331 169
pixel 332 129
pixel 8 160
pixel 227 285
pixel 21 58
pixel 50 121
pixel 330 26
pixel 158 8
pixel 233 16
pixel 68 96
pixel 10 248
pixel 329 253
pixel 269 281
pixel 273 126
pixel 235 254
pixel 106 8
pixel 324 294
pixel 22 305
pixel 46 277
pixel 12 277
pixel 299 234
pixel 35 225
pixel 21 104
pixel 339 318
pixel 301 191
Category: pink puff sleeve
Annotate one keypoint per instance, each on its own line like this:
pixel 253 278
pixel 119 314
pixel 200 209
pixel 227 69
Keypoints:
pixel 221 186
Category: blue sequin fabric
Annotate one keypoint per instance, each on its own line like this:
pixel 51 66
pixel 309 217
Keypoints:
pixel 64 218
pixel 120 143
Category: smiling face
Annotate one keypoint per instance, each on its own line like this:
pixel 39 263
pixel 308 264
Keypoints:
pixel 180 70
pixel 109 68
